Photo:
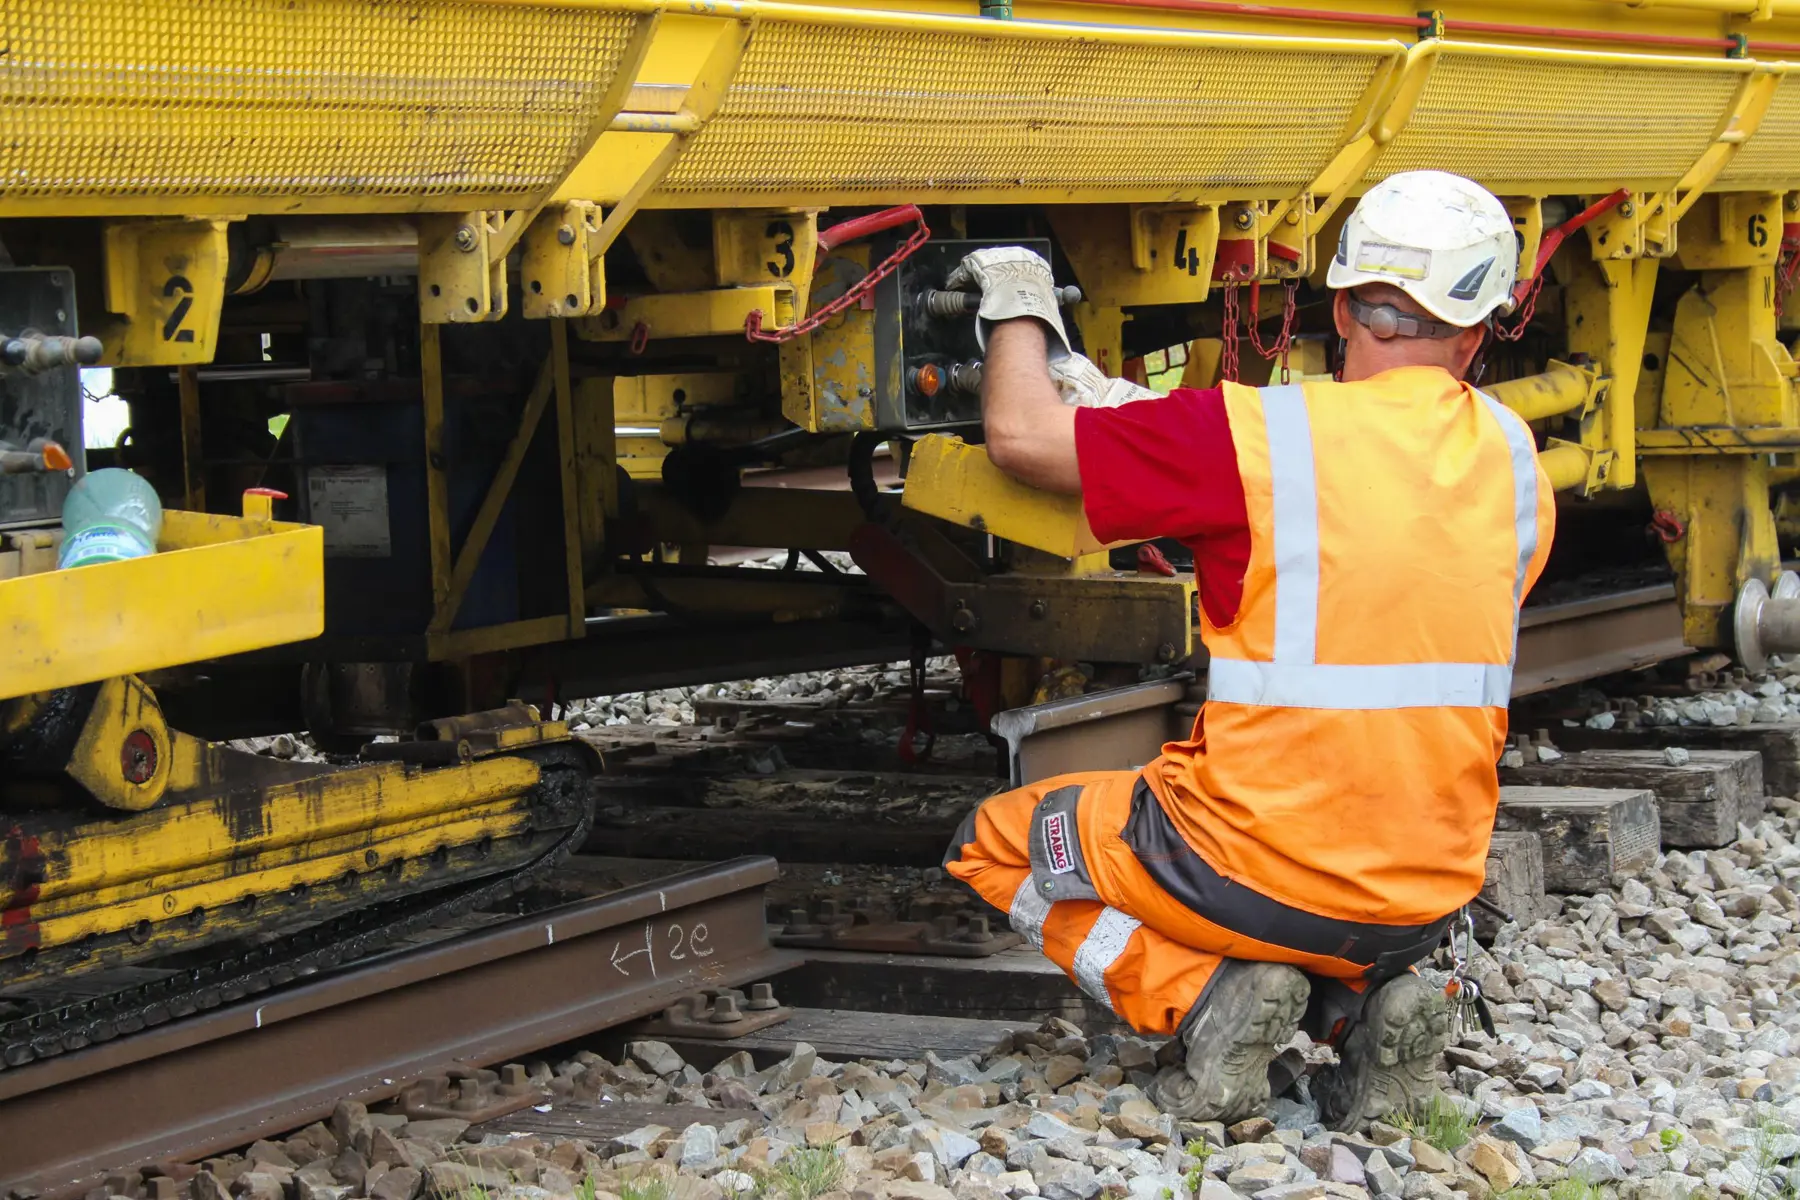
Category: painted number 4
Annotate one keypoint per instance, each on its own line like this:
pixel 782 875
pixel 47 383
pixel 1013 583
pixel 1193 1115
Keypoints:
pixel 1187 257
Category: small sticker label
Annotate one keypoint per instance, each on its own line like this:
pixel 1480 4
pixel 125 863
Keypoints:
pixel 1402 262
pixel 102 544
pixel 1056 844
pixel 351 503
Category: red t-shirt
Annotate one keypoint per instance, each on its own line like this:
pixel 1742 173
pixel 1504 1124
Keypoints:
pixel 1167 468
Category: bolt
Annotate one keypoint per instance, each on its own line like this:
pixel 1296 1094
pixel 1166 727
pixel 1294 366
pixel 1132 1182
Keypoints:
pixel 465 238
pixel 963 621
pixel 1627 209
pixel 762 997
pixel 1165 653
pixel 725 1011
pixel 1038 609
pixel 1243 220
pixel 512 1075
pixel 565 234
pixel 979 930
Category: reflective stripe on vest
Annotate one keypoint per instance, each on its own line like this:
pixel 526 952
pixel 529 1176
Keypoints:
pixel 1105 942
pixel 1295 678
pixel 1028 913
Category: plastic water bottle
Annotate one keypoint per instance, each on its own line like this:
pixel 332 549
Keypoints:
pixel 109 516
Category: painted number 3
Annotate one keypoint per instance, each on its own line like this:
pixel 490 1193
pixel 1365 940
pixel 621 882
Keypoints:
pixel 783 233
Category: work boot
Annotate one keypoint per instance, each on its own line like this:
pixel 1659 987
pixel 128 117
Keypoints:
pixel 1241 1021
pixel 1388 1061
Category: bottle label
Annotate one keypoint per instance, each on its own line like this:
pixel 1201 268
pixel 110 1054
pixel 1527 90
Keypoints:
pixel 102 543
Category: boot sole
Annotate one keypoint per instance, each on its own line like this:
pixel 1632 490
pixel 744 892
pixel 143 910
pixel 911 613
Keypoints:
pixel 1226 1073
pixel 1389 1060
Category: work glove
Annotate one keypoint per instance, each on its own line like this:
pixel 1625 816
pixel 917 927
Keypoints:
pixel 1014 282
pixel 1083 385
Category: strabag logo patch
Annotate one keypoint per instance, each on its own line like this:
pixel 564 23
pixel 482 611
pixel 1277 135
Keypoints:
pixel 1056 844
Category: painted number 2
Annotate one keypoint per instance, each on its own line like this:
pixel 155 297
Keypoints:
pixel 1187 258
pixel 682 944
pixel 182 292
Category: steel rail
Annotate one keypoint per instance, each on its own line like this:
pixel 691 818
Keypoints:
pixel 200 1086
pixel 1600 635
pixel 1124 728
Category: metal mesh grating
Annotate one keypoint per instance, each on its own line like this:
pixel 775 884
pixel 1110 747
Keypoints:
pixel 1771 158
pixel 291 98
pixel 848 109
pixel 1513 122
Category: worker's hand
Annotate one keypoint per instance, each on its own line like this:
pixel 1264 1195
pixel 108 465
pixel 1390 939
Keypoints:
pixel 1014 282
pixel 1083 385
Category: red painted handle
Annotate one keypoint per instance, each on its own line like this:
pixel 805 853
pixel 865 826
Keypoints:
pixel 271 492
pixel 857 228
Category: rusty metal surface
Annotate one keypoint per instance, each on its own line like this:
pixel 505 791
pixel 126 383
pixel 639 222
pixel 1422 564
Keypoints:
pixel 1583 639
pixel 199 1086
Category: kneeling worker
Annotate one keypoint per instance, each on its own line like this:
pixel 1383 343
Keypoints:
pixel 1361 550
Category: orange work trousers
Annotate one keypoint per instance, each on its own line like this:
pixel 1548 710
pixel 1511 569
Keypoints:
pixel 1070 860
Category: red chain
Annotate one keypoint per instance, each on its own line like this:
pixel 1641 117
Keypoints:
pixel 1786 271
pixel 1283 341
pixel 1228 362
pixel 753 327
pixel 1525 309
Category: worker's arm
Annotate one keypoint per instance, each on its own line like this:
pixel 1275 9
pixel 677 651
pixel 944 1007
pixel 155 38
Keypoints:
pixel 1030 376
pixel 1030 431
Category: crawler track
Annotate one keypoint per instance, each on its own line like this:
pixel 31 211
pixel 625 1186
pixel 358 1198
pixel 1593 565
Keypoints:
pixel 194 1087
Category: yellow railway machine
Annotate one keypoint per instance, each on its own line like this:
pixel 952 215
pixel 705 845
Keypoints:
pixel 530 307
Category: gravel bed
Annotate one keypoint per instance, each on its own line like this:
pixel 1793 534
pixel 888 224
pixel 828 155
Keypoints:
pixel 1646 1048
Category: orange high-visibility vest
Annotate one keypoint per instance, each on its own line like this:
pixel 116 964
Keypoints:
pixel 1344 761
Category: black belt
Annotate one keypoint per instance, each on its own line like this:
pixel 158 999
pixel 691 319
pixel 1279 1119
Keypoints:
pixel 1384 950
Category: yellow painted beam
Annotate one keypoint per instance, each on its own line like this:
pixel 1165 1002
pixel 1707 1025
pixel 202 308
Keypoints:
pixel 956 482
pixel 217 585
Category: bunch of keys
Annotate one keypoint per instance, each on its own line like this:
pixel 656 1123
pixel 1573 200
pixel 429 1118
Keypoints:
pixel 1469 1007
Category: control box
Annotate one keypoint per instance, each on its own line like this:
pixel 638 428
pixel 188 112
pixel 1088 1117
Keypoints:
pixel 927 359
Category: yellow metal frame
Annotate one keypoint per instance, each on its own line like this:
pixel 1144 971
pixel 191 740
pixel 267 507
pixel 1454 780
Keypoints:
pixel 217 585
pixel 956 482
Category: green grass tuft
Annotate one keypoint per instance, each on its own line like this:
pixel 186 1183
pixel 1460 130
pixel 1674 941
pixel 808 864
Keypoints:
pixel 649 1187
pixel 1439 1122
pixel 800 1175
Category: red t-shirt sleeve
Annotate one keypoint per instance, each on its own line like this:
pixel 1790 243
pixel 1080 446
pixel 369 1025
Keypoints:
pixel 1162 468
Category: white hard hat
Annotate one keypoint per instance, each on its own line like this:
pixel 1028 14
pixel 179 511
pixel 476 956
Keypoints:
pixel 1443 240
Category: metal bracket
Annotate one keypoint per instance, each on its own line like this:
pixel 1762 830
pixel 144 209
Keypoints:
pixel 1641 227
pixel 950 936
pixel 165 284
pixel 461 278
pixel 462 256
pixel 717 1014
pixel 559 273
pixel 1243 253
pixel 1103 617
pixel 472 1096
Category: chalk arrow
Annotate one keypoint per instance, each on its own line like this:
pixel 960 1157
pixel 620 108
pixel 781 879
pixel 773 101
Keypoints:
pixel 619 959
